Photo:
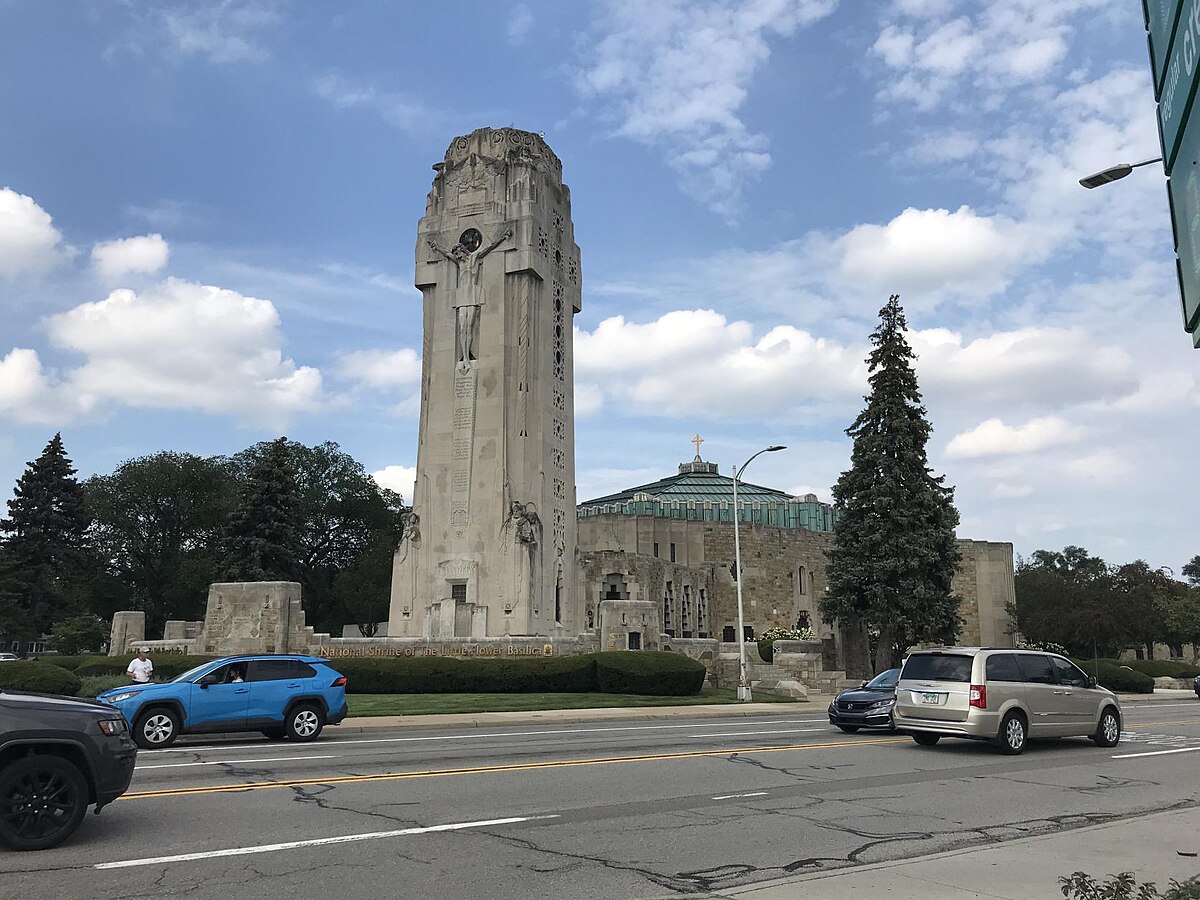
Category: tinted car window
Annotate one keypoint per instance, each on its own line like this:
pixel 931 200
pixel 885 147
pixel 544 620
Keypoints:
pixel 1036 668
pixel 938 667
pixel 279 670
pixel 1003 667
pixel 1068 674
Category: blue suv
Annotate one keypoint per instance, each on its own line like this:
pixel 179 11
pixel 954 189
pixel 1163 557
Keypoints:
pixel 281 696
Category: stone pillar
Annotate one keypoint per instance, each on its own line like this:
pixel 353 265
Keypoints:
pixel 127 627
pixel 493 521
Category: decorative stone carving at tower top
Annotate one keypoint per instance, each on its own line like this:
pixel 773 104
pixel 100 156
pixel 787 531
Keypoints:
pixel 499 274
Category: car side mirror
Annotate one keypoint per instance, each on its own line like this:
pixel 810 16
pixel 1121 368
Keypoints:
pixel 862 684
pixel 209 679
pixel 1093 681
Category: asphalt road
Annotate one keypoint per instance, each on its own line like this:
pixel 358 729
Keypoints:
pixel 615 810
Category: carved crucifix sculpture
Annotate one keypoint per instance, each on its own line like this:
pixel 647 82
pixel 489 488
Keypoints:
pixel 467 256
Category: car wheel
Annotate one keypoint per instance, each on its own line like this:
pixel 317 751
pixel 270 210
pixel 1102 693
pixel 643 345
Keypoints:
pixel 274 734
pixel 1013 734
pixel 156 728
pixel 926 740
pixel 1108 731
pixel 849 729
pixel 304 723
pixel 43 799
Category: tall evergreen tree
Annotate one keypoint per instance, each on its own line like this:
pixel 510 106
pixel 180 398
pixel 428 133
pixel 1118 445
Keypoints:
pixel 262 540
pixel 894 553
pixel 43 547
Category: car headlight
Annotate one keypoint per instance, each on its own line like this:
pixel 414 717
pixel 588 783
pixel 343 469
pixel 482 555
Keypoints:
pixel 118 698
pixel 883 704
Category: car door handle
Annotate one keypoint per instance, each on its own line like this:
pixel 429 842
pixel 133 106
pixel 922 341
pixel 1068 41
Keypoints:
pixel 242 691
pixel 1064 693
pixel 294 684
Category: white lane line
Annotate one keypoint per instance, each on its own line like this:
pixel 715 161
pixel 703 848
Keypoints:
pixel 1157 753
pixel 458 737
pixel 738 796
pixel 222 762
pixel 748 733
pixel 316 842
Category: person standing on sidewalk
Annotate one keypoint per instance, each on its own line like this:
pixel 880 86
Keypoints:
pixel 140 668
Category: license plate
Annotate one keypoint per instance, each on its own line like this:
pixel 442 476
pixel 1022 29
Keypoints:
pixel 931 699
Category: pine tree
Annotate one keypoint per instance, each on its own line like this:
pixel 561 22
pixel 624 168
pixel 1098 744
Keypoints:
pixel 262 539
pixel 894 552
pixel 44 549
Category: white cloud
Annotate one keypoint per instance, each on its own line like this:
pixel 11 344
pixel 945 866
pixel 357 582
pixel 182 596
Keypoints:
pixel 925 251
pixel 393 107
pixel 142 255
pixel 728 372
pixel 994 438
pixel 175 345
pixel 400 479
pixel 1003 491
pixel 382 368
pixel 1103 465
pixel 675 76
pixel 520 21
pixel 29 242
pixel 225 32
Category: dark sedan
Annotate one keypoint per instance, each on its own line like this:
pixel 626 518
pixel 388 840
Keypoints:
pixel 867 706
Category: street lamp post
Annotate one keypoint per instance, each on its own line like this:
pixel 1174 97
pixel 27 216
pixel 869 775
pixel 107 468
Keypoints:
pixel 743 691
pixel 1114 173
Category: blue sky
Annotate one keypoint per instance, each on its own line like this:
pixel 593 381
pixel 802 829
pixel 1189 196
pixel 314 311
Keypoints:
pixel 208 210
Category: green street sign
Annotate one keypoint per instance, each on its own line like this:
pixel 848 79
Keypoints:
pixel 1179 87
pixel 1183 189
pixel 1161 16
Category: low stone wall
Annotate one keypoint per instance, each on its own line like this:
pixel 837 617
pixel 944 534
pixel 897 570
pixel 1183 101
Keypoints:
pixel 498 647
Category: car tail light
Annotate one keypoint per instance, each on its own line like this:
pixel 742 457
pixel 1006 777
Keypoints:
pixel 112 726
pixel 340 681
pixel 979 696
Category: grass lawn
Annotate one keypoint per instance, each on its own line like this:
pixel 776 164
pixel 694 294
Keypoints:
pixel 421 704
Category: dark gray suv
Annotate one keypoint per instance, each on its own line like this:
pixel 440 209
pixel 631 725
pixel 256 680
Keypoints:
pixel 58 756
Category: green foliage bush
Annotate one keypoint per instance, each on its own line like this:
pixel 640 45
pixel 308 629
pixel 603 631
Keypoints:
pixel 1081 886
pixel 445 675
pixel 166 666
pixel 618 672
pixel 38 676
pixel 91 685
pixel 1116 677
pixel 1158 668
pixel 648 672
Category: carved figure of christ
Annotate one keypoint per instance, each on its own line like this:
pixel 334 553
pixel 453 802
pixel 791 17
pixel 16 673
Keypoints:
pixel 468 271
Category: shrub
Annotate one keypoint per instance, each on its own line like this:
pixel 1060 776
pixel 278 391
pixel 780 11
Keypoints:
pixel 91 685
pixel 166 667
pixel 1116 677
pixel 1081 886
pixel 40 677
pixel 446 675
pixel 648 672
pixel 1158 668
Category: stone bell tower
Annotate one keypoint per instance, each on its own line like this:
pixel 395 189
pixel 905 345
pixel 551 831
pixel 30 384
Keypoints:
pixel 490 547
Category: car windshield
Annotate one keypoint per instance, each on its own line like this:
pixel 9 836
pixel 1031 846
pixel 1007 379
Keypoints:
pixel 884 681
pixel 193 674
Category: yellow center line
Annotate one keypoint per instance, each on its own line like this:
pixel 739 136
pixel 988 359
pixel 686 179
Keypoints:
pixel 479 770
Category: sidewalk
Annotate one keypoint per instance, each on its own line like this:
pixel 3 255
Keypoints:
pixel 1026 869
pixel 814 707
pixel 1159 694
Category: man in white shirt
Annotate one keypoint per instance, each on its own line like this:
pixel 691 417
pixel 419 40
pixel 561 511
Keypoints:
pixel 140 668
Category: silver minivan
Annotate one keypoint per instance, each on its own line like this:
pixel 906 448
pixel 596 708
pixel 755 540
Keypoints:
pixel 1002 695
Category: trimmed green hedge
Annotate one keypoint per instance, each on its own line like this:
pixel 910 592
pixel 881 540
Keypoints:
pixel 649 672
pixel 448 675
pixel 166 666
pixel 1115 677
pixel 38 676
pixel 1158 668
pixel 616 672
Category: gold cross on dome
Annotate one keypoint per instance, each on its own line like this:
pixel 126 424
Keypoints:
pixel 697 440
